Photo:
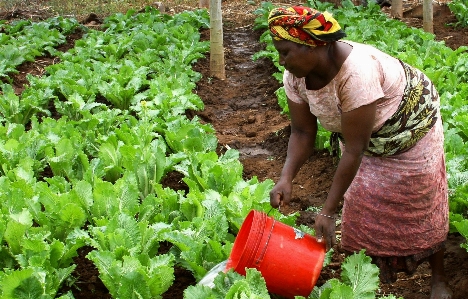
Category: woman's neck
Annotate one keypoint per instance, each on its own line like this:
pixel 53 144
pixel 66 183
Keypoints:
pixel 333 55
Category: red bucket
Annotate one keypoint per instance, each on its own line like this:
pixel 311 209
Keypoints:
pixel 290 261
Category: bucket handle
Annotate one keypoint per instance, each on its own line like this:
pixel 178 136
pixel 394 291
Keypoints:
pixel 262 255
pixel 279 210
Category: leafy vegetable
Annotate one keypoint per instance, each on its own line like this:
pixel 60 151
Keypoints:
pixel 359 280
pixel 127 259
pixel 231 285
pixel 459 8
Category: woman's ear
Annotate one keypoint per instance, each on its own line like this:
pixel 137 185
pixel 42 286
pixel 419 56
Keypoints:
pixel 311 49
pixel 319 50
pixel 305 48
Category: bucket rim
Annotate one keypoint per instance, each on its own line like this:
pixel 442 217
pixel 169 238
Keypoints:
pixel 241 254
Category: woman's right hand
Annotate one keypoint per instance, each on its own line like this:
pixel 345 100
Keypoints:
pixel 325 230
pixel 281 193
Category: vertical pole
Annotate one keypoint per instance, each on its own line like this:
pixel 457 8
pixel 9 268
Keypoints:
pixel 428 21
pixel 216 41
pixel 397 9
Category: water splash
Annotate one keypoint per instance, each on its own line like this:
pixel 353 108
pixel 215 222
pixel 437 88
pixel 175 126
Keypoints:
pixel 208 279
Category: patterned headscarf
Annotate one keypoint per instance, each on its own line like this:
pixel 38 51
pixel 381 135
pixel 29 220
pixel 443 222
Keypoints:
pixel 304 25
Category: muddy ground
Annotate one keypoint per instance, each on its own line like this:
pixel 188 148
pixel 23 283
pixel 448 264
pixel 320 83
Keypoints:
pixel 244 111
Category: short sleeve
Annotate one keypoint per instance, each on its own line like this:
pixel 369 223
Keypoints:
pixel 361 86
pixel 292 88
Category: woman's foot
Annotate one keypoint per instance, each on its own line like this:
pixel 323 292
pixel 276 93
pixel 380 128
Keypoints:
pixel 440 289
pixel 439 286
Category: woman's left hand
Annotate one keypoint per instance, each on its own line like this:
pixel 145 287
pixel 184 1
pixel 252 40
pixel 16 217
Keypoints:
pixel 325 230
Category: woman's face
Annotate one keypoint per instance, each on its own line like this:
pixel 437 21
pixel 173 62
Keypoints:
pixel 298 59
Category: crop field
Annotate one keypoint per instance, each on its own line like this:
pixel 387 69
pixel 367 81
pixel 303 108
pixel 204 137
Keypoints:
pixel 126 170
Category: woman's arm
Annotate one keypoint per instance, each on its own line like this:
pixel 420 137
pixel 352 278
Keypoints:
pixel 300 147
pixel 356 128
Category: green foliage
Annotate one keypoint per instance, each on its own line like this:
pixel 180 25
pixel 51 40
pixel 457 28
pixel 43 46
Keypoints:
pixel 359 280
pixel 120 99
pixel 134 277
pixel 163 206
pixel 189 136
pixel 119 127
pixel 18 110
pixel 43 263
pixel 207 171
pixel 26 40
pixel 210 229
pixel 66 158
pixel 61 212
pixel 111 199
pixel 231 285
pixel 462 227
pixel 78 9
pixel 460 9
pixel 122 88
pixel 261 22
pixel 139 58
pixel 127 258
pixel 21 151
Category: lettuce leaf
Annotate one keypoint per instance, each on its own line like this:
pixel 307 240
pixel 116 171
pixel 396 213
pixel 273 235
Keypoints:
pixel 462 227
pixel 231 285
pixel 359 273
pixel 359 280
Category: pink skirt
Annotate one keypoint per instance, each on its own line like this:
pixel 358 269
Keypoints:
pixel 398 205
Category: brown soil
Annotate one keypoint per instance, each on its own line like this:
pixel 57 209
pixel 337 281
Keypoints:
pixel 244 111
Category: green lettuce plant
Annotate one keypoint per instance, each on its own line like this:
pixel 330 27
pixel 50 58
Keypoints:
pixel 460 9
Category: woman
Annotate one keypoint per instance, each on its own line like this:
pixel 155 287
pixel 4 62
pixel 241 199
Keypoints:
pixel 391 175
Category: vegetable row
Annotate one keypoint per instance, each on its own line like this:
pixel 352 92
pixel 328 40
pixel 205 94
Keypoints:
pixel 84 152
pixel 24 40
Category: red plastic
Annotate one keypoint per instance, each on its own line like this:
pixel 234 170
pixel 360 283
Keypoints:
pixel 289 260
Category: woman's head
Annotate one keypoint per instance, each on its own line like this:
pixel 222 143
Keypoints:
pixel 304 25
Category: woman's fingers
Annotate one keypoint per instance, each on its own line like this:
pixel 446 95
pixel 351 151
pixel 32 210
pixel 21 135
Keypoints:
pixel 319 237
pixel 325 232
pixel 330 241
pixel 275 199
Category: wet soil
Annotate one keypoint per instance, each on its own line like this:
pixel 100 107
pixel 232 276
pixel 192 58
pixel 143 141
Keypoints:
pixel 244 111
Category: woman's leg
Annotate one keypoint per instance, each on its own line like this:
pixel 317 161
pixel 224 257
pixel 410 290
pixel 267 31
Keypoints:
pixel 439 286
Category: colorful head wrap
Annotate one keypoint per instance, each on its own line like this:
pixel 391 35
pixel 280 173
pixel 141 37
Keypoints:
pixel 304 25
